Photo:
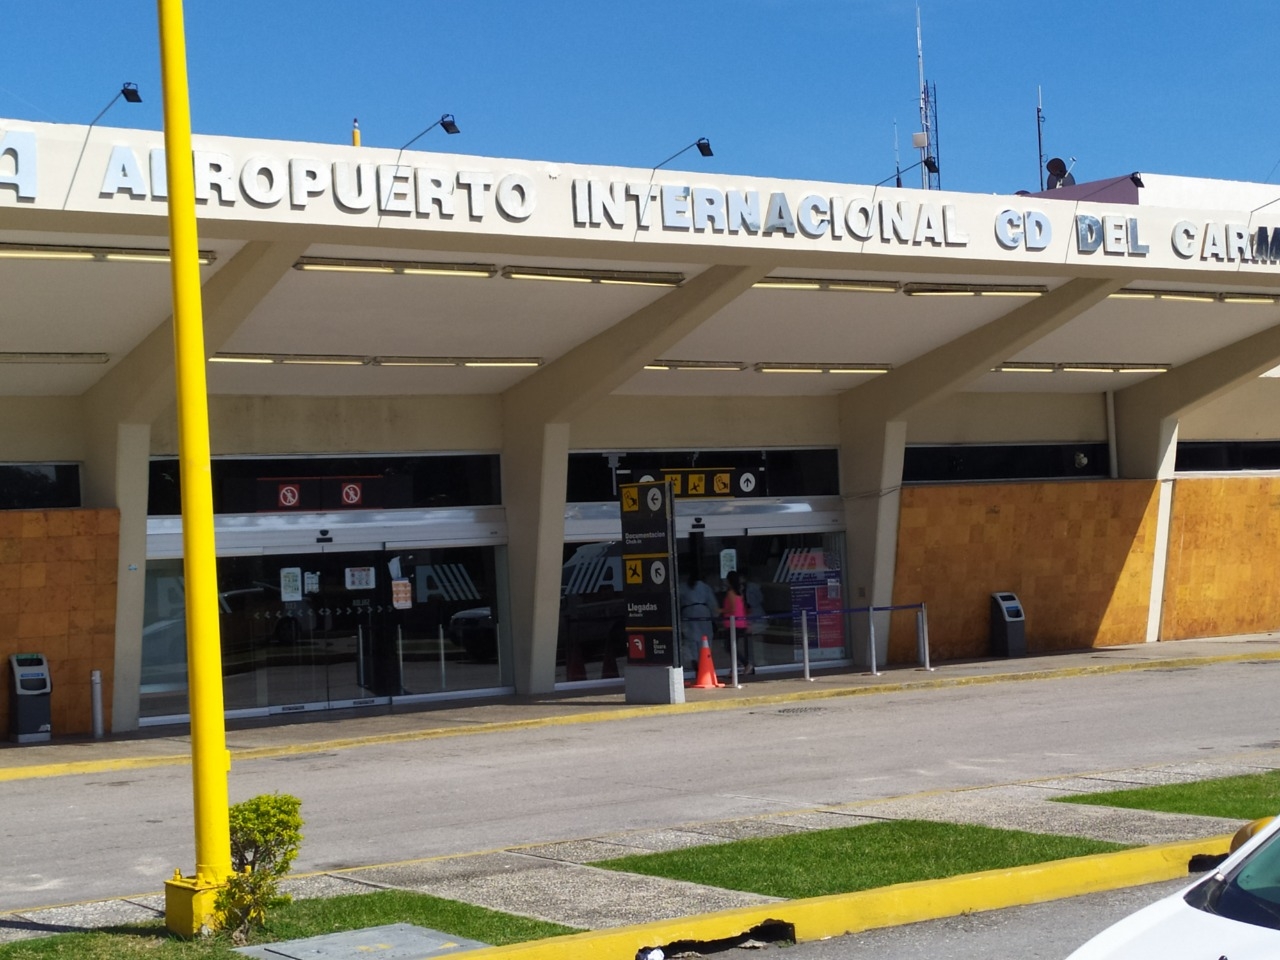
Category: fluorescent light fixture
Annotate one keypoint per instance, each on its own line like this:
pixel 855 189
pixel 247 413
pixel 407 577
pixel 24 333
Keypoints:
pixel 1025 368
pixel 871 368
pixel 1188 297
pixel 656 366
pixel 1075 367
pixel 347 360
pixel 46 253
pixel 25 251
pixel 784 283
pixel 789 368
pixel 726 366
pixel 1196 296
pixel 37 357
pixel 573 275
pixel 409 268
pixel 1248 298
pixel 973 290
pixel 334 360
pixel 816 283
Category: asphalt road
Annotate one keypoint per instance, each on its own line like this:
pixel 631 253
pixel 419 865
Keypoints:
pixel 1042 931
pixel 106 835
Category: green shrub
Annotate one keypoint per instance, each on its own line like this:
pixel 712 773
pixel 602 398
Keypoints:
pixel 265 833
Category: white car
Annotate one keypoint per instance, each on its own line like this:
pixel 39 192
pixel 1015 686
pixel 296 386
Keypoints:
pixel 1233 912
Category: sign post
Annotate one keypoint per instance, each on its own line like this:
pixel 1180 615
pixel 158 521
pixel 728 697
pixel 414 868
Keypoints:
pixel 649 588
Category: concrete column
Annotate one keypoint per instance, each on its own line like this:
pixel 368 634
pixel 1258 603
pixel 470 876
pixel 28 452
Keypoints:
pixel 871 457
pixel 117 476
pixel 535 469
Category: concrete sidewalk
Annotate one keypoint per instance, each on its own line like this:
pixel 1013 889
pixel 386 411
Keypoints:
pixel 558 882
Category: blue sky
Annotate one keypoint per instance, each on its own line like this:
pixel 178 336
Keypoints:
pixel 803 89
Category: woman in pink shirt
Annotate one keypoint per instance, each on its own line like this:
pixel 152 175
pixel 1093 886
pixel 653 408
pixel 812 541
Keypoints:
pixel 735 614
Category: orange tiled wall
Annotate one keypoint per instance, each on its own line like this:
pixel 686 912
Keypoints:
pixel 1223 574
pixel 1078 555
pixel 58 597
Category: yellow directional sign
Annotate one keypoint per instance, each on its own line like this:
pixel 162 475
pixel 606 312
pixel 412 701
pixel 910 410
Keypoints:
pixel 721 483
pixel 697 484
pixel 630 499
pixel 635 571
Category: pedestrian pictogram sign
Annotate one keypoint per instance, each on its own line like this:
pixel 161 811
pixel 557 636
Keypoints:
pixel 288 495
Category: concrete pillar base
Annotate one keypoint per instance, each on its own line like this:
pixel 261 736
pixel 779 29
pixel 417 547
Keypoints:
pixel 647 683
pixel 189 905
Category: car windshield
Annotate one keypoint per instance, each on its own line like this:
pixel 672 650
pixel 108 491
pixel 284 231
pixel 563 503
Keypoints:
pixel 1250 893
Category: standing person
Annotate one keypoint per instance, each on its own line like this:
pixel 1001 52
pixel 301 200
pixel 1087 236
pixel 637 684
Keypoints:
pixel 735 614
pixel 698 609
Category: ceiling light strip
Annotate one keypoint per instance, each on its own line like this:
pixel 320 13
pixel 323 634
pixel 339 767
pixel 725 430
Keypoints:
pixel 640 278
pixel 38 357
pixel 973 290
pixel 838 285
pixel 1196 296
pixel 26 251
pixel 327 359
pixel 1080 367
pixel 408 268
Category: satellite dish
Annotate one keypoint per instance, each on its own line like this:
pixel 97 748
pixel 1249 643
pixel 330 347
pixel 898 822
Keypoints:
pixel 1059 175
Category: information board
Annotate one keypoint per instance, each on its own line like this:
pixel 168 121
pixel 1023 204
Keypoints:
pixel 649 572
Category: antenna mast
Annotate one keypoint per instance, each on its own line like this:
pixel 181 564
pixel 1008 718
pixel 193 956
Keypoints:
pixel 1040 132
pixel 930 179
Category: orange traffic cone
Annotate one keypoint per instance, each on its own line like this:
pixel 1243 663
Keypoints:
pixel 706 669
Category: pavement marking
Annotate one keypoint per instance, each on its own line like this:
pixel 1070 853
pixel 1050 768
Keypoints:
pixel 820 917
pixel 80 767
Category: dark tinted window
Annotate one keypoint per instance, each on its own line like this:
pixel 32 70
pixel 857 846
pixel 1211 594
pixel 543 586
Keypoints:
pixel 335 483
pixel 969 462
pixel 1228 455
pixel 39 486
pixel 593 477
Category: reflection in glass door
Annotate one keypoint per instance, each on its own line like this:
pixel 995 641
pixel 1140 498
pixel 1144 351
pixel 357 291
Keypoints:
pixel 318 630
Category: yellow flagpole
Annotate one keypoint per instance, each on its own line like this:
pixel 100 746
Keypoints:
pixel 189 900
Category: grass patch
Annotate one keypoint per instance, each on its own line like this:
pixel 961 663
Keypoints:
pixel 303 918
pixel 1245 797
pixel 820 862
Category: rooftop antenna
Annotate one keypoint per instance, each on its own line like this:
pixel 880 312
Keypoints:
pixel 927 139
pixel 1040 133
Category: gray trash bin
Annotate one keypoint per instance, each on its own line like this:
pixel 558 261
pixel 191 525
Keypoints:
pixel 29 717
pixel 1008 626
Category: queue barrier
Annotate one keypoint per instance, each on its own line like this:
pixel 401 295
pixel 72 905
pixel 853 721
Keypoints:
pixel 922 635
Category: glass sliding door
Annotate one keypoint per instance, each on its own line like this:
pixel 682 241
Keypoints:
pixel 312 630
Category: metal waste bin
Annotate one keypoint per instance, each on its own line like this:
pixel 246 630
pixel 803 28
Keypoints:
pixel 1008 626
pixel 29 718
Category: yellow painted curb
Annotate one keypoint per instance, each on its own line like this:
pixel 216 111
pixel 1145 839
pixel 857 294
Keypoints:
pixel 74 767
pixel 843 913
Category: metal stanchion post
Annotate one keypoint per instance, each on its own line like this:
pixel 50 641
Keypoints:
pixel 924 631
pixel 95 694
pixel 443 686
pixel 399 661
pixel 733 653
pixel 871 640
pixel 804 641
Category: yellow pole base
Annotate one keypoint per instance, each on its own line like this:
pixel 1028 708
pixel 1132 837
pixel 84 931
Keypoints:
pixel 189 905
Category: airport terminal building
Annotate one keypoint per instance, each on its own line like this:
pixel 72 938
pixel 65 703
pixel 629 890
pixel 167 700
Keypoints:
pixel 429 373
